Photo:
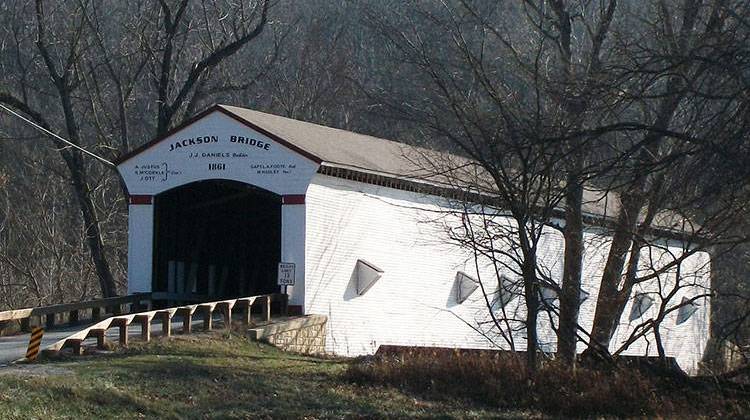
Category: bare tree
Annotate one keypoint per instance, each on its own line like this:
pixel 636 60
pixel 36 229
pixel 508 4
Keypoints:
pixel 552 98
pixel 505 115
pixel 62 53
pixel 676 73
pixel 179 70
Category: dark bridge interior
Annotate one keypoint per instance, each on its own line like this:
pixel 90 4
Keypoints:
pixel 216 239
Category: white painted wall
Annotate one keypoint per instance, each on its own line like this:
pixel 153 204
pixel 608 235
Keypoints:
pixel 163 166
pixel 414 303
pixel 140 247
pixel 293 248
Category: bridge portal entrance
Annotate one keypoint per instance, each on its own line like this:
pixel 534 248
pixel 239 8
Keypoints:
pixel 216 239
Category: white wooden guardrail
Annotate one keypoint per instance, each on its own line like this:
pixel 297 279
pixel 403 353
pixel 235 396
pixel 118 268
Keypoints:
pixel 137 301
pixel 186 312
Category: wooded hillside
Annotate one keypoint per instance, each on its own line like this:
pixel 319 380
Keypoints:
pixel 649 100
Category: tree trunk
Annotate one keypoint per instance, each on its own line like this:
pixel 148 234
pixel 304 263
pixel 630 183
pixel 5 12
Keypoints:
pixel 531 295
pixel 532 312
pixel 607 312
pixel 73 158
pixel 573 266
pixel 77 169
pixel 608 318
pixel 660 344
pixel 93 235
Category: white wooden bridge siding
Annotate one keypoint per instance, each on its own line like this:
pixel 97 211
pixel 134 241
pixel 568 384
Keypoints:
pixel 414 302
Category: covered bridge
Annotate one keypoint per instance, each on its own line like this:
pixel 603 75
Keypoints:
pixel 218 202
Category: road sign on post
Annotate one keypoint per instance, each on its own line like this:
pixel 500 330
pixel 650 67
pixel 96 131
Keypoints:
pixel 286 274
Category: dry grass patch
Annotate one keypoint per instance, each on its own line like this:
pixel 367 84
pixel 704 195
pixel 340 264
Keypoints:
pixel 501 380
pixel 215 376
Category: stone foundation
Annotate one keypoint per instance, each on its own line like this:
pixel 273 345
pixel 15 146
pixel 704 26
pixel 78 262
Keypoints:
pixel 304 334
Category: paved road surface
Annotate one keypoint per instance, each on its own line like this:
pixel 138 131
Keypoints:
pixel 14 347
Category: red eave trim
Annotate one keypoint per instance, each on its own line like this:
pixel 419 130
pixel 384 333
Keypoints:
pixel 293 199
pixel 138 150
pixel 141 199
pixel 271 135
pixel 219 108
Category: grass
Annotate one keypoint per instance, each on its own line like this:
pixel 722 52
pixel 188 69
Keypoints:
pixel 218 376
pixel 214 377
pixel 501 380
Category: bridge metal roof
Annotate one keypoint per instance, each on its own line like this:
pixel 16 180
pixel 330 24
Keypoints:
pixel 332 147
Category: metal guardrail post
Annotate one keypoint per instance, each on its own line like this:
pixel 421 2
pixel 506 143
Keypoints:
pixel 228 317
pixel 208 321
pixel 226 313
pixel 248 313
pixel 187 319
pixel 101 341
pixel 123 325
pixel 187 322
pixel 76 346
pixel 166 324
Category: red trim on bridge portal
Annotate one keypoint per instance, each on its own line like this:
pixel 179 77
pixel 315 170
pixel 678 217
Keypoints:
pixel 293 199
pixel 141 199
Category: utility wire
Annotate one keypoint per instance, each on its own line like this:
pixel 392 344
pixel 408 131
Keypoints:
pixel 50 133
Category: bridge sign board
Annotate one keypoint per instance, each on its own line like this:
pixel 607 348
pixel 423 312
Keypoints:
pixel 286 274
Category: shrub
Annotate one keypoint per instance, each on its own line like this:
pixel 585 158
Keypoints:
pixel 501 379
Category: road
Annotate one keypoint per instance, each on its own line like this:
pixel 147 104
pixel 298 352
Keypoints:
pixel 14 347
